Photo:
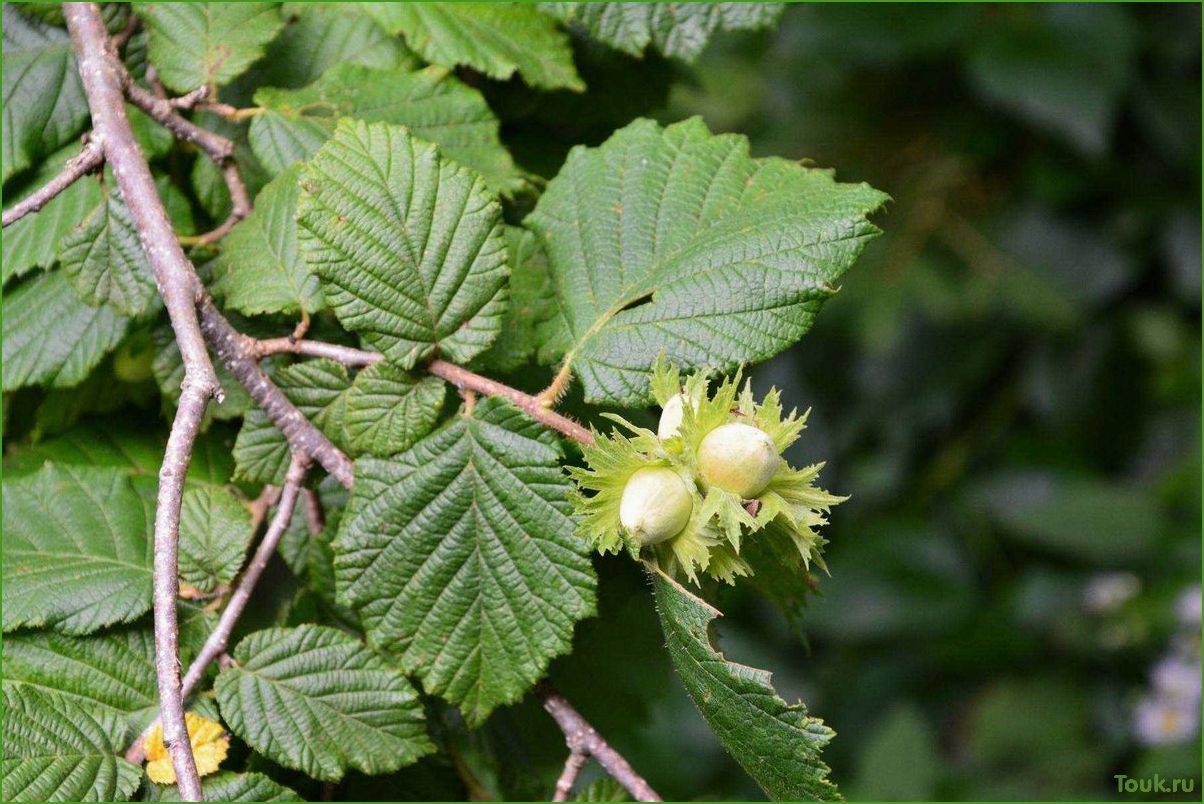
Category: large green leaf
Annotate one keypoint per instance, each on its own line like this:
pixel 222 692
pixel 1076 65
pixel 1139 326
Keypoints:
pixel 260 269
pixel 77 549
pixel 675 240
pixel 57 750
pixel 408 245
pixel 204 44
pixel 215 529
pixel 434 105
pixel 778 743
pixel 678 30
pixel 124 445
pixel 497 39
pixel 313 698
pixel 51 337
pixel 104 260
pixel 32 242
pixel 461 558
pixel 113 669
pixel 44 104
pixel 227 786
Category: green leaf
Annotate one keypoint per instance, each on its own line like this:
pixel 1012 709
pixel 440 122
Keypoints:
pixel 315 699
pixel 388 411
pixel 33 241
pixel 206 44
pixel 53 338
pixel 112 670
pixel 778 743
pixel 461 559
pixel 126 446
pixel 227 786
pixel 434 105
pixel 319 390
pixel 77 550
pixel 675 240
pixel 408 245
pixel 320 36
pixel 497 39
pixel 44 103
pixel 678 30
pixel 57 750
pixel 532 302
pixel 260 269
pixel 215 529
pixel 103 258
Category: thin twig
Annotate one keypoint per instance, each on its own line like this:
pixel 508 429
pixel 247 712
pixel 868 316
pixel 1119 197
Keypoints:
pixel 219 149
pixel 90 157
pixel 568 777
pixel 240 355
pixel 315 521
pixel 582 738
pixel 101 74
pixel 219 638
pixel 190 99
pixel 215 645
pixel 457 375
pixel 161 110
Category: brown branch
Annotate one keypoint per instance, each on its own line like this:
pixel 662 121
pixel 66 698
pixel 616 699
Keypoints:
pixel 240 355
pixel 582 738
pixel 215 645
pixel 90 157
pixel 568 777
pixel 219 149
pixel 161 110
pixel 457 375
pixel 101 74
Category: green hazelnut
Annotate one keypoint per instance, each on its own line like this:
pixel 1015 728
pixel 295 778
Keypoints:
pixel 739 458
pixel 671 416
pixel 656 505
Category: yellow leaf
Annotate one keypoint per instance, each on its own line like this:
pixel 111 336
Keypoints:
pixel 209 746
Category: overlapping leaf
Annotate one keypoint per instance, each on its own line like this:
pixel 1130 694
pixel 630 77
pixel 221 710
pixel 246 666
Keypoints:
pixel 32 241
pixel 77 549
pixel 318 36
pixel 103 258
pixel 497 39
pixel 388 411
pixel 674 240
pixel 57 750
pixel 260 269
pixel 678 30
pixel 111 670
pixel 204 44
pixel 215 529
pixel 532 302
pixel 409 246
pixel 433 104
pixel 51 337
pixel 460 557
pixel 778 743
pixel 313 698
pixel 44 104
pixel 227 786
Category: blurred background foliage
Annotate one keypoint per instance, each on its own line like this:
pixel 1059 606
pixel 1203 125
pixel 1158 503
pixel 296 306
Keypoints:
pixel 1008 385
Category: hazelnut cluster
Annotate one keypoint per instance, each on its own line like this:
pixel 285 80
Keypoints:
pixel 692 496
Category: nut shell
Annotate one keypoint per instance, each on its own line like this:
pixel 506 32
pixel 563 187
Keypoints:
pixel 739 458
pixel 656 505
